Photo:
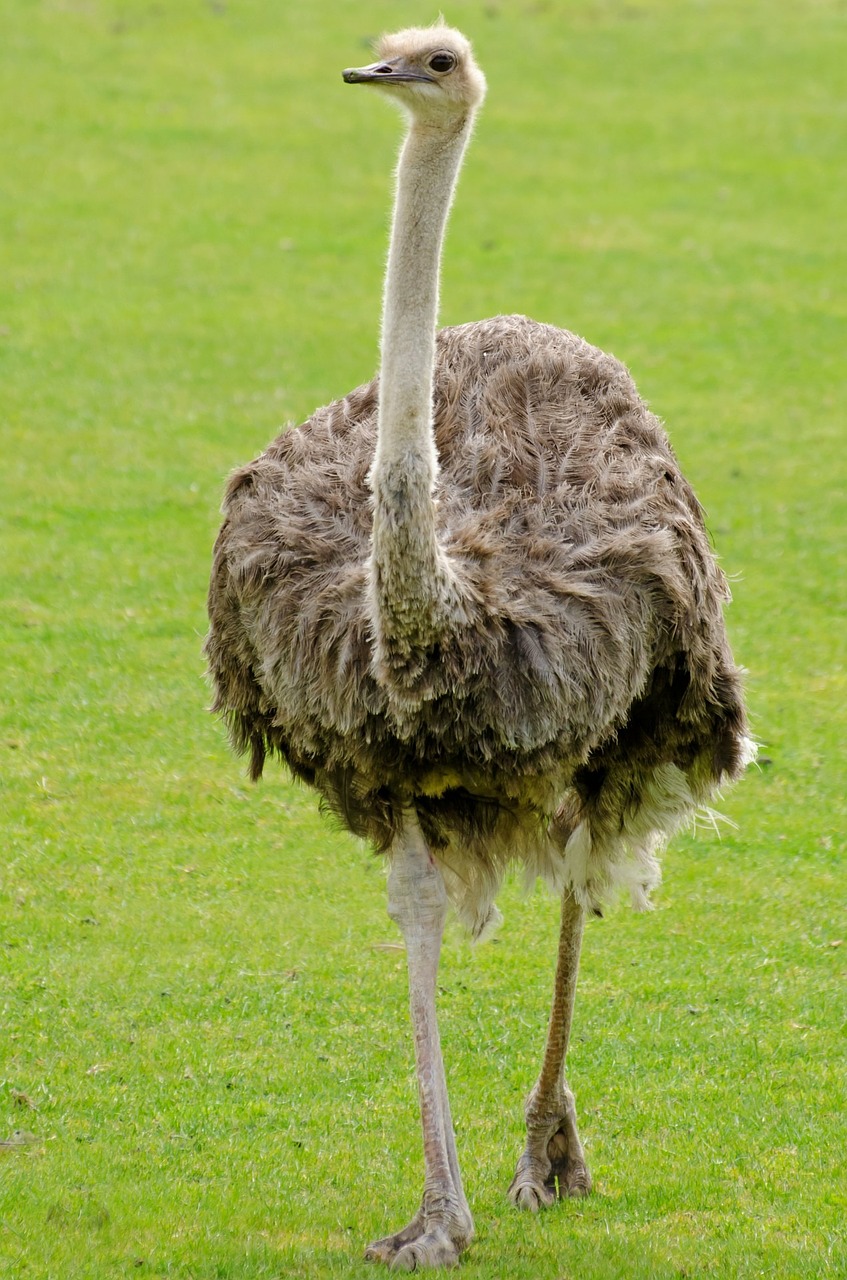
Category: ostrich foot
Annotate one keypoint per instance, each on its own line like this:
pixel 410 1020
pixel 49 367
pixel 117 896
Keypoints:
pixel 551 1170
pixel 430 1240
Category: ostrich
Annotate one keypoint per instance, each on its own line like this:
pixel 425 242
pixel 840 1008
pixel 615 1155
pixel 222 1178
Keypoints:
pixel 474 605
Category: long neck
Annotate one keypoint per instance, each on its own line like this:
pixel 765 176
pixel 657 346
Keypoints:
pixel 414 589
pixel 426 177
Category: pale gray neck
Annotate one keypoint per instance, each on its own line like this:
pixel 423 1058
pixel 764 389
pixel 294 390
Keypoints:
pixel 414 589
pixel 426 178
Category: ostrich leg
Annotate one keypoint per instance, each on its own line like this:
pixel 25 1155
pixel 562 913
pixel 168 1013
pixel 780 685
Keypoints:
pixel 442 1227
pixel 553 1162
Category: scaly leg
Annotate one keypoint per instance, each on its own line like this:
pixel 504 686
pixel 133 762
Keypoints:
pixel 442 1227
pixel 553 1163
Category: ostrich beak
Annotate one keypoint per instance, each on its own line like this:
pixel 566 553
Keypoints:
pixel 393 72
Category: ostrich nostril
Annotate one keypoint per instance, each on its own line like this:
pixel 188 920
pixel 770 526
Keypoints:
pixel 362 75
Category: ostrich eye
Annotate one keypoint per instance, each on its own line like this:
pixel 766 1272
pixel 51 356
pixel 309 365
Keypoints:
pixel 442 61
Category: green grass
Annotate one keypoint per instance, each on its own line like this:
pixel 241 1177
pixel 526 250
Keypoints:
pixel 199 1025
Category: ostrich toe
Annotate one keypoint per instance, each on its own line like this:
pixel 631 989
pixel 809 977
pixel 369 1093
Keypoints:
pixel 555 1172
pixel 428 1241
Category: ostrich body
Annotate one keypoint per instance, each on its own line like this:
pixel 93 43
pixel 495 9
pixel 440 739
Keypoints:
pixel 473 603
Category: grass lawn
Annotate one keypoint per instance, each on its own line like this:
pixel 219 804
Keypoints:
pixel 205 1065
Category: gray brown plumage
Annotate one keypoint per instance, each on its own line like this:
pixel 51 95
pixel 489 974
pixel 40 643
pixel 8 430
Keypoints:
pixel 473 603
pixel 594 658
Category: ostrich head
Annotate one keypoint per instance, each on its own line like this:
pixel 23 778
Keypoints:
pixel 429 71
